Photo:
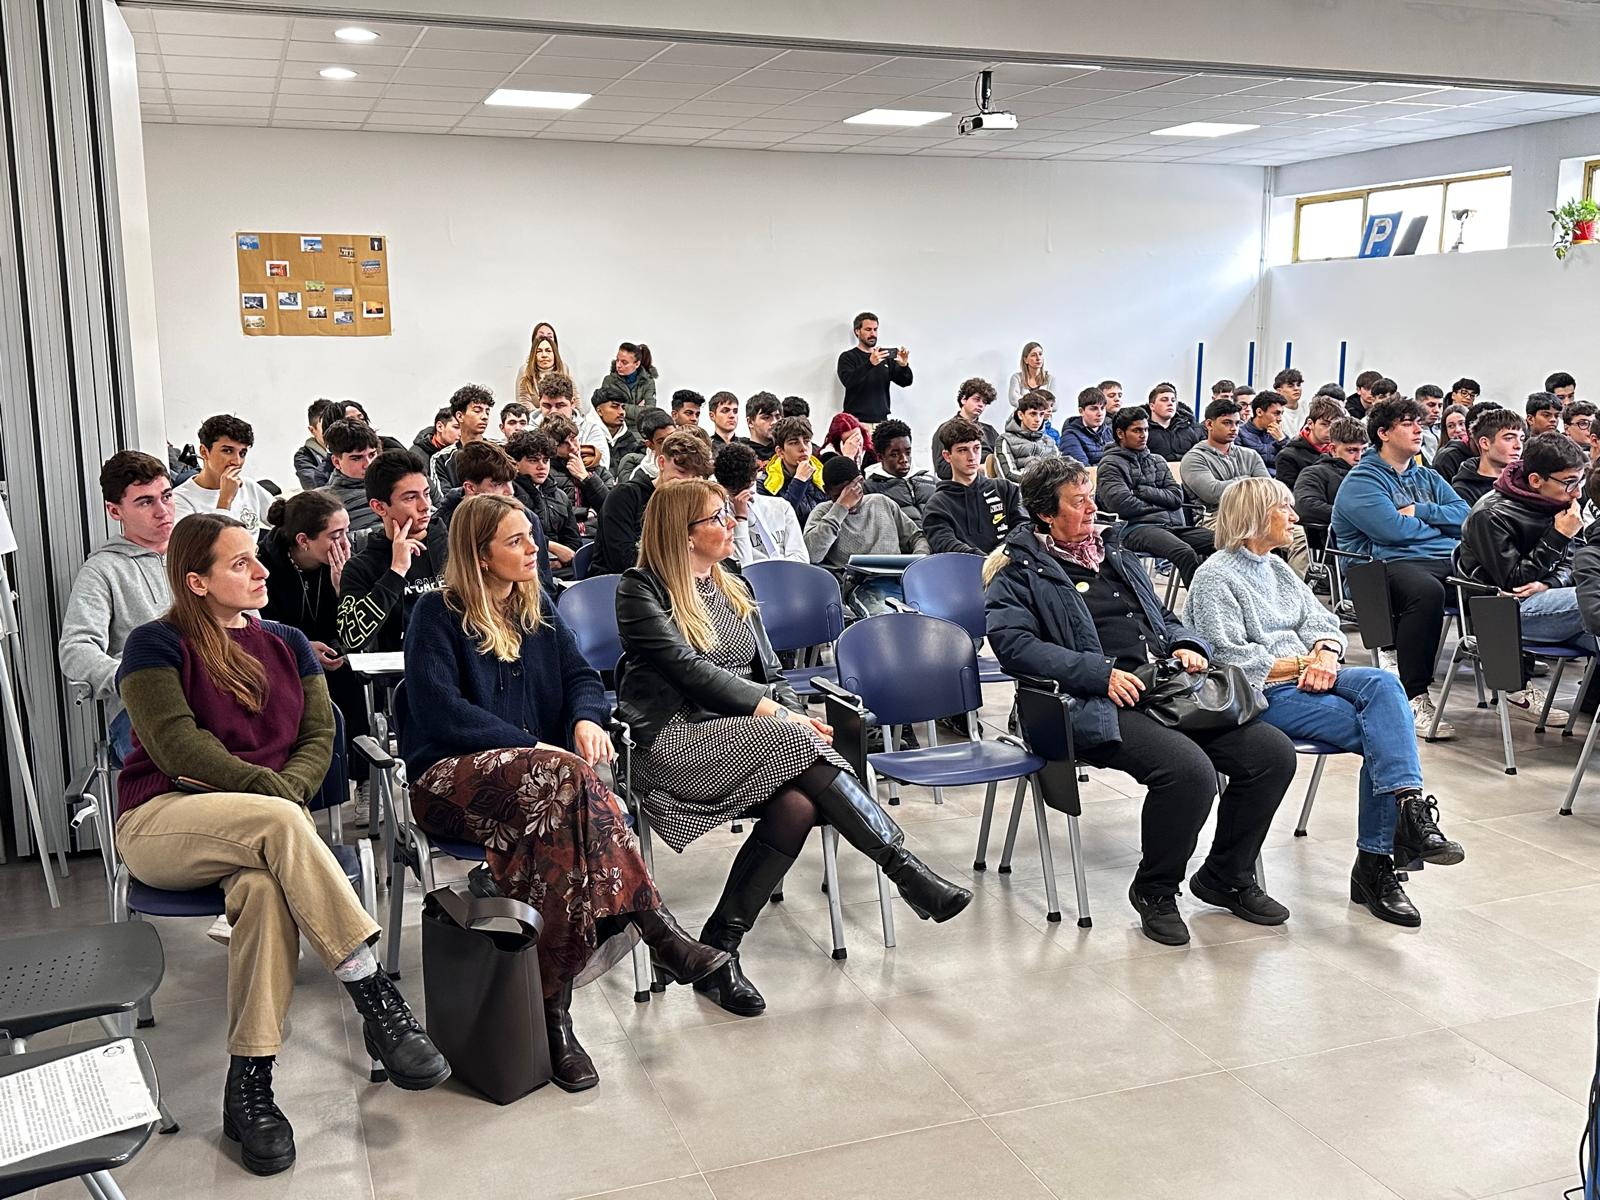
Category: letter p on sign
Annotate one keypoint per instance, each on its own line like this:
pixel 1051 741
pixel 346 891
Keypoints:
pixel 1378 240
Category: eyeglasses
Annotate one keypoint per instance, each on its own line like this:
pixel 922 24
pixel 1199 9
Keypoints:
pixel 1569 485
pixel 723 516
pixel 1582 422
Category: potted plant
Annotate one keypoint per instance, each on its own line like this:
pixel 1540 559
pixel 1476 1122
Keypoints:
pixel 1574 223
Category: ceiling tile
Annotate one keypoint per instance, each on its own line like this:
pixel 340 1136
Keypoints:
pixel 384 127
pixel 555 66
pixel 937 69
pixel 347 104
pixel 465 60
pixel 659 72
pixel 603 47
pixel 535 81
pixel 878 86
pixel 592 128
pixel 460 131
pixel 219 110
pixel 427 76
pixel 218 47
pixel 1377 91
pixel 336 89
pixel 780 125
pixel 390 104
pixel 409 91
pixel 482 120
pixel 654 89
pixel 312 70
pixel 606 102
pixel 828 60
pixel 695 54
pixel 432 121
pixel 772 95
pixel 805 81
pixel 222 83
pixel 227 25
pixel 724 108
pixel 685 129
pixel 138 19
pixel 505 41
pixel 265 68
pixel 193 96
pixel 320 29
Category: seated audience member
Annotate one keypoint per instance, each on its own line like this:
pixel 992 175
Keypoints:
pixel 794 472
pixel 1384 389
pixel 1172 426
pixel 684 454
pixel 311 465
pixel 1112 391
pixel 1263 432
pixel 1360 402
pixel 892 475
pixel 1431 397
pixel 514 416
pixel 970 513
pixel 1023 440
pixel 401 560
pixel 1289 384
pixel 544 356
pixel 470 406
pixel 531 455
pixel 1221 388
pixel 1544 413
pixel 445 431
pixel 575 467
pixel 1210 465
pixel 121 585
pixel 632 380
pixel 1032 377
pixel 765 526
pixel 849 437
pixel 1087 436
pixel 761 413
pixel 851 522
pixel 1260 618
pixel 654 426
pixel 1498 437
pixel 1520 537
pixel 354 410
pixel 351 448
pixel 620 440
pixel 686 406
pixel 1138 487
pixel 487 470
pixel 515 724
pixel 1063 605
pixel 1309 446
pixel 1577 422
pixel 220 486
pixel 1452 427
pixel 1453 453
pixel 866 370
pixel 795 406
pixel 724 409
pixel 1242 396
pixel 1562 386
pixel 233 735
pixel 972 397
pixel 722 736
pixel 1317 486
pixel 1408 516
pixel 1586 566
pixel 1465 392
pixel 558 398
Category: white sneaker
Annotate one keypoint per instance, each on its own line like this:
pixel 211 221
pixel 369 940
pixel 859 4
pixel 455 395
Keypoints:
pixel 1422 709
pixel 363 811
pixel 220 932
pixel 1389 661
pixel 1529 703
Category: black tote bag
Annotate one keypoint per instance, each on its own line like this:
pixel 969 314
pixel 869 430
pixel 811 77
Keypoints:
pixel 1218 698
pixel 484 992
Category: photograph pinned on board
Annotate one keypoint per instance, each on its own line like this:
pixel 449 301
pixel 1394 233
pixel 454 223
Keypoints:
pixel 255 322
pixel 256 300
pixel 310 245
pixel 315 285
pixel 288 301
pixel 277 268
pixel 371 266
pixel 317 312
pixel 344 295
pixel 344 316
pixel 249 241
pixel 347 252
pixel 371 309
pixel 376 244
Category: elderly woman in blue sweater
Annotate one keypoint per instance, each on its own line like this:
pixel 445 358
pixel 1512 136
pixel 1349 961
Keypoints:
pixel 502 728
pixel 1258 615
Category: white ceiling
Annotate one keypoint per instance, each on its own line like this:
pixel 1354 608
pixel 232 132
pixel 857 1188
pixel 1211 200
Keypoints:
pixel 206 68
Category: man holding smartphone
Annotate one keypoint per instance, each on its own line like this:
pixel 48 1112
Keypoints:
pixel 867 371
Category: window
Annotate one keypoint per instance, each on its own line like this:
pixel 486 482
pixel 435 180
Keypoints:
pixel 1590 168
pixel 1461 213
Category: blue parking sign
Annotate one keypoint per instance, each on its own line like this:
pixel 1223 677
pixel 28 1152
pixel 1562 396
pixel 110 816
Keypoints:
pixel 1378 240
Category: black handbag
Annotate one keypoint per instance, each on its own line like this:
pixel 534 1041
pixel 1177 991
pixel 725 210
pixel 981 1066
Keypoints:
pixel 1220 697
pixel 484 993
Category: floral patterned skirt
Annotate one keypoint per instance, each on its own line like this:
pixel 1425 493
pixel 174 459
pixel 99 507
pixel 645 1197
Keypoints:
pixel 554 837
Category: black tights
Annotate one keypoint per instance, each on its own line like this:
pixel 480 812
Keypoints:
pixel 786 818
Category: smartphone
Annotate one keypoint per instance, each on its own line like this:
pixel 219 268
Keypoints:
pixel 889 351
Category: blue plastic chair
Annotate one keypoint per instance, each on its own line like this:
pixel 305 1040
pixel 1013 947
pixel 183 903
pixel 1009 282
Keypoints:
pixel 951 586
pixel 582 560
pixel 802 608
pixel 1322 750
pixel 589 608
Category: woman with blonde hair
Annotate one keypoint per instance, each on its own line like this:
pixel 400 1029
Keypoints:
pixel 724 736
pixel 544 358
pixel 1031 375
pixel 1260 616
pixel 507 726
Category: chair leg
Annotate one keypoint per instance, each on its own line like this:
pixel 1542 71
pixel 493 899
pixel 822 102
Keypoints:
pixel 1311 795
pixel 642 979
pixel 1444 693
pixel 1477 680
pixel 1011 829
pixel 1583 690
pixel 1052 910
pixel 886 908
pixel 891 741
pixel 931 738
pixel 1261 871
pixel 1079 883
pixel 830 877
pixel 1505 733
pixel 369 878
pixel 979 863
pixel 1583 765
pixel 1550 695
pixel 101 1184
pixel 397 900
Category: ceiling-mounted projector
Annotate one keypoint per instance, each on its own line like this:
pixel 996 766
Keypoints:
pixel 986 120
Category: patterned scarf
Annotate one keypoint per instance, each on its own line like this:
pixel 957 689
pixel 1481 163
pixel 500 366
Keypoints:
pixel 1088 554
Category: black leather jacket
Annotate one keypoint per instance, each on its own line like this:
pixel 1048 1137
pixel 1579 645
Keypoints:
pixel 661 674
pixel 1508 543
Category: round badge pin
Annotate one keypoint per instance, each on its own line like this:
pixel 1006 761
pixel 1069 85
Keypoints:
pixel 1083 587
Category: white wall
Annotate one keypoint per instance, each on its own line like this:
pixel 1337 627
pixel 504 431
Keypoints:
pixel 740 269
pixel 1504 317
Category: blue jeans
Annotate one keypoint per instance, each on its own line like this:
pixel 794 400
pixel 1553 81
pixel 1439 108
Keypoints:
pixel 121 736
pixel 872 595
pixel 1365 713
pixel 1552 617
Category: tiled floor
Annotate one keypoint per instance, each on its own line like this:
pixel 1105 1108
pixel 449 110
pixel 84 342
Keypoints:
pixel 1001 1055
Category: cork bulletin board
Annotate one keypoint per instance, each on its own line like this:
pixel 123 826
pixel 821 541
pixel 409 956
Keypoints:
pixel 313 284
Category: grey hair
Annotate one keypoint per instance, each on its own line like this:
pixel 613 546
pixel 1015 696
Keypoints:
pixel 1042 483
pixel 1245 511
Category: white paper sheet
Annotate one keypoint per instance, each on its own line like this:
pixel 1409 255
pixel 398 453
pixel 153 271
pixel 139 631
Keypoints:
pixel 389 662
pixel 71 1100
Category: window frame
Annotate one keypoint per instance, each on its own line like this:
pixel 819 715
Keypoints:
pixel 1364 194
pixel 1590 170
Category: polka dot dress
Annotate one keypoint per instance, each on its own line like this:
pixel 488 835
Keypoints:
pixel 702 774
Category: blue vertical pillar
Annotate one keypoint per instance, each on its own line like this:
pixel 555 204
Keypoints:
pixel 1343 349
pixel 1250 367
pixel 1199 376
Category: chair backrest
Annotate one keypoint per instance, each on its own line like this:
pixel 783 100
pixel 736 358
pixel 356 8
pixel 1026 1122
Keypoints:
pixel 948 586
pixel 582 558
pixel 335 789
pixel 1045 717
pixel 1367 585
pixel 1496 623
pixel 801 605
pixel 589 608
pixel 909 668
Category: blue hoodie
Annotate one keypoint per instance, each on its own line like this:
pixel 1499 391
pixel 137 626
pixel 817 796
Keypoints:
pixel 1367 517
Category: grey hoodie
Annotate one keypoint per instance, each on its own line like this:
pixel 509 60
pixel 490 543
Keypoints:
pixel 121 586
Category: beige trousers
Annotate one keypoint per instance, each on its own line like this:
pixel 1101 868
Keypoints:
pixel 280 880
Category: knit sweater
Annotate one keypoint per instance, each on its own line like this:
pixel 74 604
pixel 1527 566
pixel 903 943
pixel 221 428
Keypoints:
pixel 474 701
pixel 1254 610
pixel 876 526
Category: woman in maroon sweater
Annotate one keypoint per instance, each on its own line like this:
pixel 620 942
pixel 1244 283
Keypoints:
pixel 233 733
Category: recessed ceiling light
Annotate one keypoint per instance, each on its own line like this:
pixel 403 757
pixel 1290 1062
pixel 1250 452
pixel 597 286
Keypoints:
pixel 337 73
pixel 517 98
pixel 895 116
pixel 1206 129
pixel 354 33
pixel 1075 66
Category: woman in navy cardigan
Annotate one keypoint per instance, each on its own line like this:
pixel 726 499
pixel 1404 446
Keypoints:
pixel 505 726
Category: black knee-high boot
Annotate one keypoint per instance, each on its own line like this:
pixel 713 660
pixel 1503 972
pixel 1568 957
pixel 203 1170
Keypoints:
pixel 845 805
pixel 757 870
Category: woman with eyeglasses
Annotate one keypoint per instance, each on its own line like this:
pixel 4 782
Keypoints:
pixel 1259 616
pixel 723 735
